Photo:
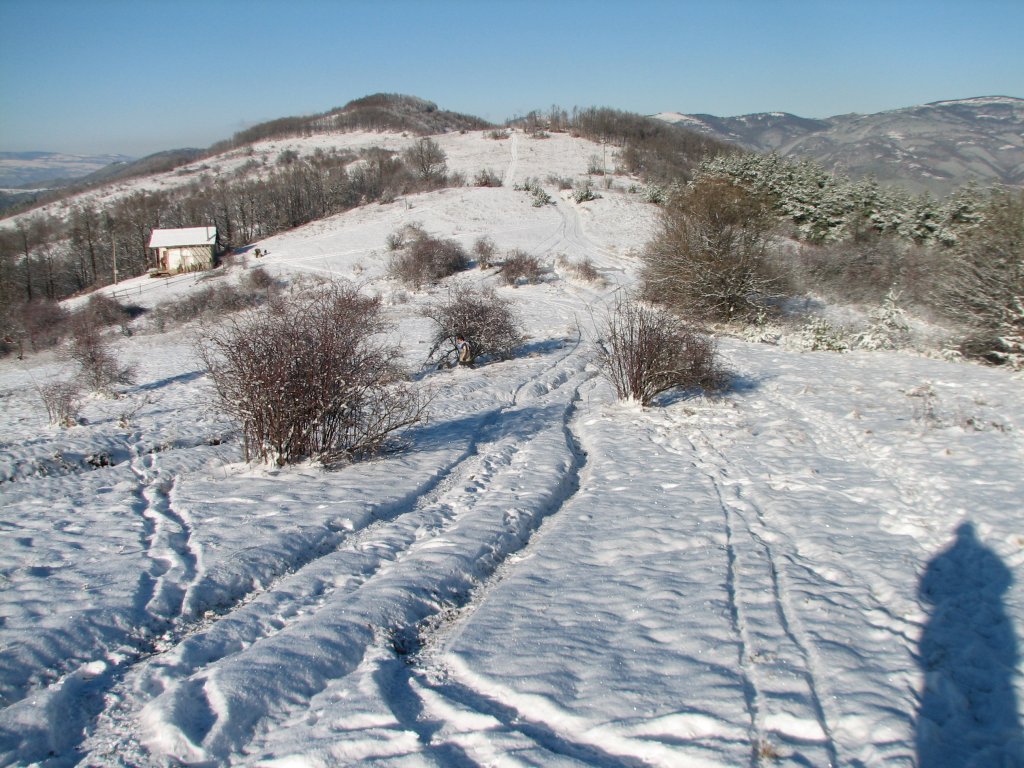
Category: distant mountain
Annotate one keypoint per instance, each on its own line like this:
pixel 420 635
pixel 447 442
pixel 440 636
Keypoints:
pixel 934 147
pixel 21 170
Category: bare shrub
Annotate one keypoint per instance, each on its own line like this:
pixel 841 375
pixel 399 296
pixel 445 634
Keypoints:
pixel 422 258
pixel 484 249
pixel 106 310
pixel 484 319
pixel 309 376
pixel 646 351
pixel 854 270
pixel 62 401
pixel 583 269
pixel 211 302
pixel 257 279
pixel 41 324
pixel 486 178
pixel 519 266
pixel 99 367
pixel 708 260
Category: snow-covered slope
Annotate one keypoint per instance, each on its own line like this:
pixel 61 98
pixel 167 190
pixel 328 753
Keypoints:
pixel 820 567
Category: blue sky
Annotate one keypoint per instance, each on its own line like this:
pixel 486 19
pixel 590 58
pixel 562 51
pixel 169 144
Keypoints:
pixel 139 76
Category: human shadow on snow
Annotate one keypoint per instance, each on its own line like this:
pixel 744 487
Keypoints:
pixel 968 654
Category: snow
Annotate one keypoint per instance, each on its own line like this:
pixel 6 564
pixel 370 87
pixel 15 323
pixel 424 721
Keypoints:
pixel 822 566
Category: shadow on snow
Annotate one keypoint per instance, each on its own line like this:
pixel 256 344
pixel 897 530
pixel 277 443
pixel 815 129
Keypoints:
pixel 968 653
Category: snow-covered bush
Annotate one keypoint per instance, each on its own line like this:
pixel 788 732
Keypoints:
pixel 540 197
pixel 486 178
pixel 583 269
pixel 585 193
pixel 309 376
pixel 818 334
pixel 645 351
pixel 1011 339
pixel 653 193
pixel 488 322
pixel 889 327
pixel 484 249
pixel 762 330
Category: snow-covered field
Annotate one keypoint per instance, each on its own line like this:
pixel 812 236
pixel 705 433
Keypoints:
pixel 820 567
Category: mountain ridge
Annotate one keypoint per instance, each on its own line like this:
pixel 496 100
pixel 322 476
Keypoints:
pixel 933 147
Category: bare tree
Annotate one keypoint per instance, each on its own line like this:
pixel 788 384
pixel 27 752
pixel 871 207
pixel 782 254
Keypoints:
pixel 427 160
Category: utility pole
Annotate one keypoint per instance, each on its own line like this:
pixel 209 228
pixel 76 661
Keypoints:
pixel 113 244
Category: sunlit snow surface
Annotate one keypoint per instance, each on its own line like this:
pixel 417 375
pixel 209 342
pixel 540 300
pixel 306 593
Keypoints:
pixel 820 567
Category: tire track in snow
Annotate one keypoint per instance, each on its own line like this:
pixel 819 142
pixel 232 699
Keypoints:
pixel 782 677
pixel 404 682
pixel 374 554
pixel 382 682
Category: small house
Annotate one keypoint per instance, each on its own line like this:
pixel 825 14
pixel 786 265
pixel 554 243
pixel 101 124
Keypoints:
pixel 183 250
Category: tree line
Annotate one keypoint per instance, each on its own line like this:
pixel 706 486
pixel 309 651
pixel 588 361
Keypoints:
pixel 717 253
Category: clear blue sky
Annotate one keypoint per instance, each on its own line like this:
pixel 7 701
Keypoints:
pixel 139 76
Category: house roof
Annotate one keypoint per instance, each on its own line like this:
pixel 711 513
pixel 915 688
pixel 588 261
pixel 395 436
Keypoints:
pixel 178 238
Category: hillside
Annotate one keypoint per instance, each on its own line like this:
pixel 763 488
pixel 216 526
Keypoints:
pixel 68 175
pixel 823 565
pixel 935 147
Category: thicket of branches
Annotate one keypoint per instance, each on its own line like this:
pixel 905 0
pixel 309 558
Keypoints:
pixel 419 258
pixel 645 351
pixel 984 289
pixel 708 259
pixel 309 376
pixel 488 323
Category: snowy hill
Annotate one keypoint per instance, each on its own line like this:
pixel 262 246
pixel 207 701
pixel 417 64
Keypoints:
pixel 822 566
pixel 935 147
